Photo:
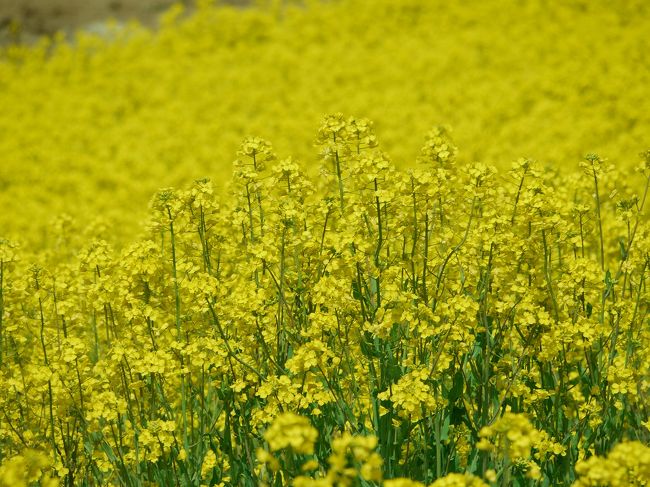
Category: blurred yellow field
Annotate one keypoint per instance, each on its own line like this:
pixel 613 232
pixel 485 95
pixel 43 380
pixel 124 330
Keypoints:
pixel 329 244
pixel 92 130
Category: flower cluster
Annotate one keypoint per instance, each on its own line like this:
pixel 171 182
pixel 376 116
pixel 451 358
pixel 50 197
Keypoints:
pixel 627 464
pixel 451 324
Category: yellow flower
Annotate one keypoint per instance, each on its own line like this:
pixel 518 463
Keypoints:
pixel 290 430
pixel 402 482
pixel 459 480
pixel 209 462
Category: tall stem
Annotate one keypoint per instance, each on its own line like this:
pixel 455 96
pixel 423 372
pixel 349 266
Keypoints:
pixel 177 313
pixel 339 176
pixel 47 364
pixel 600 223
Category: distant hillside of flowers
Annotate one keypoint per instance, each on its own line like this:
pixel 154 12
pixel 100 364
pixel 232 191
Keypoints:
pixel 92 128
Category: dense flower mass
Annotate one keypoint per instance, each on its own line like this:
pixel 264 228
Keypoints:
pixel 362 313
pixel 447 325
pixel 91 129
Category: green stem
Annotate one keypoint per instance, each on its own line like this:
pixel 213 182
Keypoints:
pixel 380 237
pixel 49 382
pixel 339 177
pixel 177 313
pixel 514 209
pixel 439 472
pixel 600 223
pixel 547 275
pixel 425 262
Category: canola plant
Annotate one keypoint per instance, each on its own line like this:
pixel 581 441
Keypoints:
pixel 362 314
pixel 447 325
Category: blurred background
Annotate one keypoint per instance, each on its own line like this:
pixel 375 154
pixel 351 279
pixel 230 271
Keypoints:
pixel 24 20
pixel 91 129
pixel 27 20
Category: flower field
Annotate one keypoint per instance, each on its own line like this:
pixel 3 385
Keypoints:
pixel 353 301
